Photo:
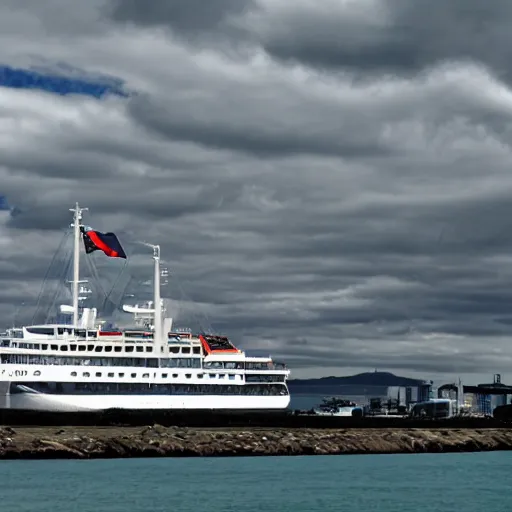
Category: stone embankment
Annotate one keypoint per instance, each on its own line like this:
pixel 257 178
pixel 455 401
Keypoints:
pixel 158 441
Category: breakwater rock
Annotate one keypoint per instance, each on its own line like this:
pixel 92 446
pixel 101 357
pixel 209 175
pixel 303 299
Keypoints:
pixel 158 441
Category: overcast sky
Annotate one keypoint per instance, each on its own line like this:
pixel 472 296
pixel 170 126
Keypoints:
pixel 330 180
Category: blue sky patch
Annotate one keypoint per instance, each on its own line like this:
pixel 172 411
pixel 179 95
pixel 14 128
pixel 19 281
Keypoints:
pixel 4 205
pixel 17 78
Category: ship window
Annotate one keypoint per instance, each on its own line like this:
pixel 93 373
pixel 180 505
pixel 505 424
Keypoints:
pixel 86 374
pixel 90 348
pixel 174 375
pixel 54 347
pixel 108 348
pixel 37 373
pixel 140 349
pixel 214 364
pixel 221 376
pixel 151 363
pixel 46 331
pixel 149 349
pixel 174 350
pixel 164 375
pixel 36 346
pixel 62 330
pixel 81 348
pixel 110 374
pixel 129 349
pixel 64 348
pixel 121 375
pixel 196 350
pixel 231 377
pixel 98 374
pixel 134 375
pixel 73 374
pixel 72 348
pixel 118 349
pixel 44 346
pixel 91 334
pixel 145 375
pixel 188 375
pixel 199 375
pixel 185 350
pixel 98 348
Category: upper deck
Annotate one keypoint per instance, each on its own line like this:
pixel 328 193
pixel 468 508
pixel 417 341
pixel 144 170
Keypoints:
pixel 63 344
pixel 56 332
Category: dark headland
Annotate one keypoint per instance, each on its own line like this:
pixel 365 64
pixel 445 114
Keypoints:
pixel 362 383
pixel 159 441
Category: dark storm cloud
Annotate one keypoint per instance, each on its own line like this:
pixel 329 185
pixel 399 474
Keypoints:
pixel 193 15
pixel 393 36
pixel 265 139
pixel 44 215
pixel 190 18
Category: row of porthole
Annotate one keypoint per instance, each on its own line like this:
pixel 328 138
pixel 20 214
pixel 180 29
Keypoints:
pixel 146 375
pixel 81 348
pixel 108 348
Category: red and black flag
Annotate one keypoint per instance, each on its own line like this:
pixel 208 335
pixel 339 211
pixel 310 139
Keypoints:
pixel 106 242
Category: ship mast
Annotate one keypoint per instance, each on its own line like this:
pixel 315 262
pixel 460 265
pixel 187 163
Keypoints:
pixel 77 218
pixel 157 302
pixel 157 334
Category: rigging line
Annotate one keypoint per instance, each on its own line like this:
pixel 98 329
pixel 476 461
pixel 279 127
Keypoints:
pixel 64 238
pixel 46 278
pixel 56 283
pixel 115 284
pixel 93 269
pixel 65 272
pixel 194 314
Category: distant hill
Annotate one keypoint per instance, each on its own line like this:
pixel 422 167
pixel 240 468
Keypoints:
pixel 362 383
pixel 361 379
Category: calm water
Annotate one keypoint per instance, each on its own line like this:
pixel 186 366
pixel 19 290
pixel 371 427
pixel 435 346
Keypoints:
pixel 384 483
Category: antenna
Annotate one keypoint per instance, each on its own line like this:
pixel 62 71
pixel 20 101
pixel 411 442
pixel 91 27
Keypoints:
pixel 77 218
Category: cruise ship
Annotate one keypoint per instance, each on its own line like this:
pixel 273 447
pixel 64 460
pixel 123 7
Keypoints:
pixel 80 366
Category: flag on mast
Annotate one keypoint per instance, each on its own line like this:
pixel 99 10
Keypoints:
pixel 108 243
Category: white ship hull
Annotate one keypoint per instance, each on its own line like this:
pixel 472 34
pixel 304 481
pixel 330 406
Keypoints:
pixel 91 403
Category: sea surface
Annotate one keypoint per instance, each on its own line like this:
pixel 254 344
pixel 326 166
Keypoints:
pixel 471 482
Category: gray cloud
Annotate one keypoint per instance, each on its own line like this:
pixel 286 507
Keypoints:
pixel 337 194
pixel 393 36
pixel 193 16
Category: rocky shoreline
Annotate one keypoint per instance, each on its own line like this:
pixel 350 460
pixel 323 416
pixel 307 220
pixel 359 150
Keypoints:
pixel 158 441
